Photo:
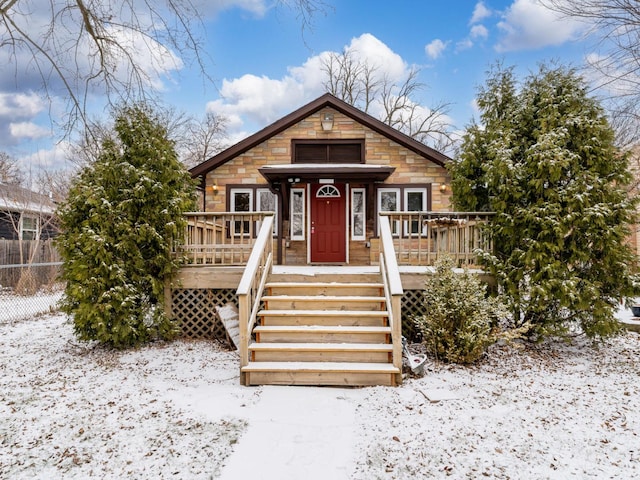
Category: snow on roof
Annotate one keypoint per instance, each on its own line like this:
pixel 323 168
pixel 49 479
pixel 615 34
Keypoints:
pixel 19 199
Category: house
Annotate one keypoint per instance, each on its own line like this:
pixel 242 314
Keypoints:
pixel 306 227
pixel 27 227
pixel 327 170
pixel 25 214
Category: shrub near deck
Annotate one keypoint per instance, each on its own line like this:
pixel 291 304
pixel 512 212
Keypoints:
pixel 459 320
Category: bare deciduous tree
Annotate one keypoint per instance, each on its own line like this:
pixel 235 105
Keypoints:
pixel 10 172
pixel 205 138
pixel 367 87
pixel 120 49
pixel 616 23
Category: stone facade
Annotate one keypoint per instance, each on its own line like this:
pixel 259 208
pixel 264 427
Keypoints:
pixel 411 169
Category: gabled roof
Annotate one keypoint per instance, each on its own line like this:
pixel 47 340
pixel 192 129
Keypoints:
pixel 15 198
pixel 326 100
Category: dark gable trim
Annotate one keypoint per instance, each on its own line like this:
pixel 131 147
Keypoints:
pixel 326 100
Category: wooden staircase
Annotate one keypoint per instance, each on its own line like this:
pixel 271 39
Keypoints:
pixel 329 329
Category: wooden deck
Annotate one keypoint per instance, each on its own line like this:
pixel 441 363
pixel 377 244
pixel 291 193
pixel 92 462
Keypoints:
pixel 320 325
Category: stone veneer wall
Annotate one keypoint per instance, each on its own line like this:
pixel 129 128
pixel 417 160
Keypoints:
pixel 410 167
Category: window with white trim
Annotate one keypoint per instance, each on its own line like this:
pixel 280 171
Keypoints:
pixel 389 201
pixel 297 214
pixel 358 214
pixel 241 201
pixel 28 227
pixel 415 200
pixel 267 201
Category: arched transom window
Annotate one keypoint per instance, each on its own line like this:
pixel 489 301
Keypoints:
pixel 328 191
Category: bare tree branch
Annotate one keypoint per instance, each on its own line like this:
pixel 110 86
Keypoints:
pixel 616 23
pixel 364 86
pixel 120 49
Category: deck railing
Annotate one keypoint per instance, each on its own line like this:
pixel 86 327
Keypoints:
pixel 221 238
pixel 393 291
pixel 252 285
pixel 420 238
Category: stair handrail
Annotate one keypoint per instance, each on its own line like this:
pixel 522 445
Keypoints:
pixel 393 290
pixel 252 285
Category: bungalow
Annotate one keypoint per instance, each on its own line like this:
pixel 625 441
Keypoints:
pixel 305 226
pixel 326 170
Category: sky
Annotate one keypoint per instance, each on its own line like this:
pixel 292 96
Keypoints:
pixel 264 64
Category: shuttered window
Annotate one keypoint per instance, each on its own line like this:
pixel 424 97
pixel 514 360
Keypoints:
pixel 328 152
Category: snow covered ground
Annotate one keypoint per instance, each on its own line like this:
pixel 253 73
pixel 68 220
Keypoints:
pixel 17 307
pixel 177 411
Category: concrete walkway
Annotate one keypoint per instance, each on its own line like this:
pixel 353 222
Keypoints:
pixel 297 433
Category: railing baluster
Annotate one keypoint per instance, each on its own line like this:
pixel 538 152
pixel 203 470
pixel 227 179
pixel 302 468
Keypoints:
pixel 423 237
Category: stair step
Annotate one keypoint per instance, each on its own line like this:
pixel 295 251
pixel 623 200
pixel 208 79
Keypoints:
pixel 325 302
pixel 323 313
pixel 326 298
pixel 325 284
pixel 320 373
pixel 321 352
pixel 321 334
pixel 368 347
pixel 325 288
pixel 369 318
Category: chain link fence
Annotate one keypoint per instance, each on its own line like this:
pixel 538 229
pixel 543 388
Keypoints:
pixel 29 290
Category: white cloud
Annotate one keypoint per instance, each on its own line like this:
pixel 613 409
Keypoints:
pixel 528 25
pixel 479 31
pixel 54 158
pixel 435 48
pixel 153 59
pixel 262 100
pixel 20 105
pixel 209 8
pixel 29 130
pixel 465 44
pixel 480 12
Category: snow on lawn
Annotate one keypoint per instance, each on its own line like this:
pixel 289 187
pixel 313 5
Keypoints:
pixel 17 307
pixel 177 411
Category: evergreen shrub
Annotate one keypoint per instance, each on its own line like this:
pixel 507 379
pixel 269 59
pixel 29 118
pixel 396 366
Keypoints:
pixel 123 214
pixel 459 321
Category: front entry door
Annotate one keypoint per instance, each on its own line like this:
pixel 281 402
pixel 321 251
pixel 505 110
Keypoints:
pixel 328 223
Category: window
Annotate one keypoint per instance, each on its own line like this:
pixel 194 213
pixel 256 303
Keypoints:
pixel 405 198
pixel 358 214
pixel 389 201
pixel 252 199
pixel 415 200
pixel 28 227
pixel 328 191
pixel 297 214
pixel 330 151
pixel 241 201
pixel 267 201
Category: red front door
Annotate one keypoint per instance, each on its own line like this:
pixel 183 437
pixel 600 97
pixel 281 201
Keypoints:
pixel 328 223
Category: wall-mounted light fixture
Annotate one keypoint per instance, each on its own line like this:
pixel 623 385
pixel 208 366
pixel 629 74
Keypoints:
pixel 327 121
pixel 293 180
pixel 214 188
pixel 443 188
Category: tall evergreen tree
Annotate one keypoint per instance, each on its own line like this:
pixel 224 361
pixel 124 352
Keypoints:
pixel 543 158
pixel 122 214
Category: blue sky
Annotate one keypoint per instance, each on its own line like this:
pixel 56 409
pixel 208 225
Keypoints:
pixel 265 66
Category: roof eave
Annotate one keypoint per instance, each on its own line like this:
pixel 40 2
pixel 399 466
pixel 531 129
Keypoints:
pixel 326 100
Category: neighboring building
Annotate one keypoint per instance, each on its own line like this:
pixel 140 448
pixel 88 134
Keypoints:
pixel 634 189
pixel 326 169
pixel 25 214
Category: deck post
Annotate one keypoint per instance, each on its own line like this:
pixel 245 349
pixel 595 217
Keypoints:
pixel 243 315
pixel 393 291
